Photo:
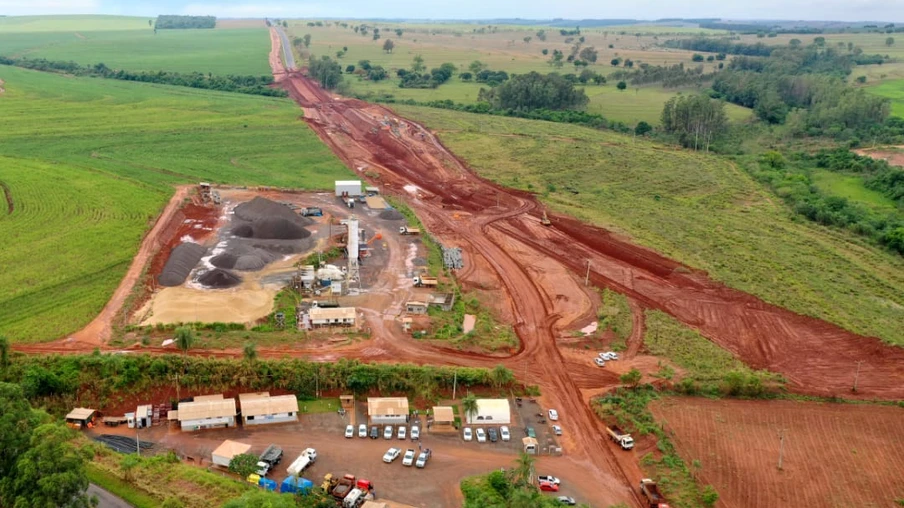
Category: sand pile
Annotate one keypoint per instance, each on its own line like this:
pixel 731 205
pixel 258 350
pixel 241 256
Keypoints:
pixel 219 279
pixel 391 215
pixel 183 258
pixel 260 208
pixel 271 228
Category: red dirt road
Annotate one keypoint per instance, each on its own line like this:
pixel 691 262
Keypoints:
pixel 834 454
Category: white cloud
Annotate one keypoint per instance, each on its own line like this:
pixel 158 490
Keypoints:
pixel 32 7
pixel 273 10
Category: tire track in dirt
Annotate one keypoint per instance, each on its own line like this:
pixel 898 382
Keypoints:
pixel 8 194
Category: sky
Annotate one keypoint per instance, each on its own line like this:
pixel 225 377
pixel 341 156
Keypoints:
pixel 835 10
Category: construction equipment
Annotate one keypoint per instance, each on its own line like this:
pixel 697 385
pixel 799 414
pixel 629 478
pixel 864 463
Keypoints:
pixel 421 281
pixel 405 230
pixel 654 498
pixel 545 219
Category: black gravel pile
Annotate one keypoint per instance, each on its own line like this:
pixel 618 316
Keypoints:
pixel 183 258
pixel 219 279
pixel 261 208
pixel 391 215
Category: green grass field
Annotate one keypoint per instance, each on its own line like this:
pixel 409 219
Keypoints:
pixel 89 164
pixel 852 188
pixel 894 91
pixel 628 106
pixel 237 51
pixel 699 209
pixel 74 23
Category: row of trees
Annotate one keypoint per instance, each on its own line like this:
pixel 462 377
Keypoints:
pixel 727 46
pixel 671 76
pixel 326 71
pixel 171 21
pixel 255 85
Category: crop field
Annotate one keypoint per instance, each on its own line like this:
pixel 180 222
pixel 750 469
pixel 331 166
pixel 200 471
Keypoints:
pixel 234 51
pixel 835 455
pixel 894 91
pixel 89 164
pixel 851 187
pixel 74 23
pixel 699 209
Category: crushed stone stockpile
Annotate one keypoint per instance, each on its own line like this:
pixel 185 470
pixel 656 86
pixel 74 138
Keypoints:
pixel 219 279
pixel 271 228
pixel 263 208
pixel 183 258
pixel 245 258
pixel 391 215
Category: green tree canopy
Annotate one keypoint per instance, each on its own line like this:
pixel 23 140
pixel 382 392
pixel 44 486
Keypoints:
pixel 243 465
pixel 526 92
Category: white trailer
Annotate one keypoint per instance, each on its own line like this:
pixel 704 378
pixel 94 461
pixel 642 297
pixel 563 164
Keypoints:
pixel 348 188
pixel 303 461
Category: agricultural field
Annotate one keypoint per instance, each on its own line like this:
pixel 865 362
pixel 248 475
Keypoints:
pixel 503 49
pixel 700 209
pixel 734 445
pixel 90 163
pixel 134 45
pixel 851 187
pixel 894 91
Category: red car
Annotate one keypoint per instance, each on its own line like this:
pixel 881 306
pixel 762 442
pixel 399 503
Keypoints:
pixel 549 487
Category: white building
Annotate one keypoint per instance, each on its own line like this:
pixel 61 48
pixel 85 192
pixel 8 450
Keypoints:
pixel 224 453
pixel 207 412
pixel 491 412
pixel 261 408
pixel 387 410
pixel 332 316
pixel 345 188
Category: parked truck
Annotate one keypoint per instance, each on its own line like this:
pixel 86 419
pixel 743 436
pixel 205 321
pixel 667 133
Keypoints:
pixel 269 459
pixel 343 487
pixel 405 230
pixel 354 499
pixel 650 491
pixel 312 212
pixel 303 461
pixel 620 437
pixel 422 281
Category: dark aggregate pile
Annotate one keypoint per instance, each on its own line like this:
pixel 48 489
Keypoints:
pixel 123 444
pixel 391 215
pixel 271 228
pixel 261 208
pixel 219 279
pixel 182 260
pixel 244 257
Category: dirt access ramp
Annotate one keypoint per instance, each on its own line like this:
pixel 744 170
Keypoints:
pixel 834 454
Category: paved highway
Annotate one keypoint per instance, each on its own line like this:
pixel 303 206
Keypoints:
pixel 288 57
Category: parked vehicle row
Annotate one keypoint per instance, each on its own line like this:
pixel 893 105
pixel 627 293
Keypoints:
pixel 602 358
pixel 491 434
pixel 401 432
pixel 411 458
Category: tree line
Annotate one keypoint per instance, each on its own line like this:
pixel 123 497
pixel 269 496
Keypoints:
pixel 166 21
pixel 254 85
pixel 807 83
pixel 531 91
pixel 672 76
pixel 727 46
pixel 696 120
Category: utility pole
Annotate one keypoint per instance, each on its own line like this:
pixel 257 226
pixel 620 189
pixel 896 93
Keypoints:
pixel 856 376
pixel 587 277
pixel 781 449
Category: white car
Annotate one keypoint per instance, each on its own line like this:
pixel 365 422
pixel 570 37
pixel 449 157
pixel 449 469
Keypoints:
pixel 481 435
pixel 467 434
pixel 567 500
pixel 609 355
pixel 387 432
pixel 415 433
pixel 557 430
pixel 505 434
pixel 599 362
pixel 362 430
pixel 553 415
pixel 548 479
pixel 391 455
pixel 403 431
pixel 422 459
pixel 350 431
pixel 408 459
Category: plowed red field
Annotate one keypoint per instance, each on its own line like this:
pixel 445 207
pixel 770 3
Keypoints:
pixel 835 455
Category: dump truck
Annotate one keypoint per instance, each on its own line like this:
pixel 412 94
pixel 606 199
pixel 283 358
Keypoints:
pixel 343 487
pixel 269 459
pixel 620 437
pixel 545 220
pixel 650 491
pixel 312 212
pixel 405 230
pixel 422 281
